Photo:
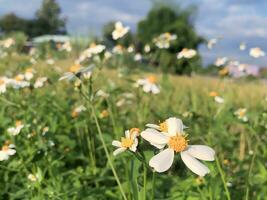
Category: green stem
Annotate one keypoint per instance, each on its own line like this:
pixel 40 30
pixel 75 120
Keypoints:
pixel 223 180
pixel 107 153
pixel 153 185
pixel 145 174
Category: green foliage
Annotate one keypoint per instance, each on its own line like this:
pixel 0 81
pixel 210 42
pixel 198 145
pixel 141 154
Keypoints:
pixel 47 21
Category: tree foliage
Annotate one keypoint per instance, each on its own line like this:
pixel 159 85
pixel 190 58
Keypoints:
pixel 46 21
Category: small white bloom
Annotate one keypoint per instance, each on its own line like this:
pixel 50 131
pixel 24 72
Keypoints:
pixel 242 46
pixel 119 31
pixel 7 151
pixel 163 41
pixel 221 61
pixel 16 130
pixel 256 52
pixel 147 48
pixel 137 57
pixel 130 142
pixel 241 114
pixel 149 84
pixel 186 53
pixel 40 82
pixel 211 43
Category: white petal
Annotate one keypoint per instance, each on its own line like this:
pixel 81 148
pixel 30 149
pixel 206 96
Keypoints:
pixel 127 134
pixel 162 161
pixel 201 152
pixel 154 137
pixel 133 147
pixel 11 152
pixel 153 126
pixel 155 89
pixel 174 125
pixel 116 143
pixel 118 151
pixel 194 165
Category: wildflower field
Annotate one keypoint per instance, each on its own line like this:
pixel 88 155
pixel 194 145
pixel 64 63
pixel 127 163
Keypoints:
pixel 111 127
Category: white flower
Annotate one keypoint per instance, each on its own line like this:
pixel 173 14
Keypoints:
pixel 241 114
pixel 19 82
pixel 50 61
pixel 15 130
pixel 118 49
pixel 66 47
pixel 163 40
pixel 7 42
pixel 32 178
pixel 217 98
pixel 7 151
pixel 137 57
pixel 78 110
pixel 211 43
pixel 119 31
pixel 29 73
pixel 171 134
pixel 256 52
pixel 130 49
pixel 76 71
pixel 242 46
pixel 3 84
pixel 186 53
pixel 40 82
pixel 221 61
pixel 101 93
pixel 130 142
pixel 149 84
pixel 147 48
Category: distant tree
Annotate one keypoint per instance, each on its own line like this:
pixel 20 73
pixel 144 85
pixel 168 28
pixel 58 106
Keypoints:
pixel 176 21
pixel 48 19
pixel 11 23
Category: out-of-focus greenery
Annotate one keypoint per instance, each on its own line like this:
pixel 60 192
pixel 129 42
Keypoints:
pixel 46 21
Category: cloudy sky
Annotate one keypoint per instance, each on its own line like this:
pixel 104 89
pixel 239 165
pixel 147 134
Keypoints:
pixel 235 21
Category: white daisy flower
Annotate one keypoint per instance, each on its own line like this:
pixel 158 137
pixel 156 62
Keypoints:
pixel 147 48
pixel 149 84
pixel 119 31
pixel 130 142
pixel 163 40
pixel 256 52
pixel 216 97
pixel 7 151
pixel 186 53
pixel 241 114
pixel 211 43
pixel 77 70
pixel 221 61
pixel 40 82
pixel 19 82
pixel 137 57
pixel 29 73
pixel 171 134
pixel 16 130
pixel 3 84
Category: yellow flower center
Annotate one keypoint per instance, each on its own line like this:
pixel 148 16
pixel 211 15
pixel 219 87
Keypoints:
pixel 29 70
pixel 74 68
pixel 2 82
pixel 18 78
pixel 213 94
pixel 241 113
pixel 5 148
pixel 178 143
pixel 126 142
pixel 18 123
pixel 92 45
pixel 163 127
pixel 152 79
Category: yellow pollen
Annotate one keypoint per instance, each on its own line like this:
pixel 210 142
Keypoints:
pixel 18 78
pixel 18 123
pixel 134 130
pixel 213 94
pixel 74 68
pixel 126 142
pixel 178 143
pixel 5 148
pixel 2 82
pixel 152 79
pixel 241 113
pixel 163 127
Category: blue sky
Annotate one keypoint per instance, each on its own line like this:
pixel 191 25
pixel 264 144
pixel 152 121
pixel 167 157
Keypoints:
pixel 234 20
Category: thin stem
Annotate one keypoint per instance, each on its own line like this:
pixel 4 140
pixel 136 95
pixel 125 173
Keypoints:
pixel 153 185
pixel 223 180
pixel 107 153
pixel 145 174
